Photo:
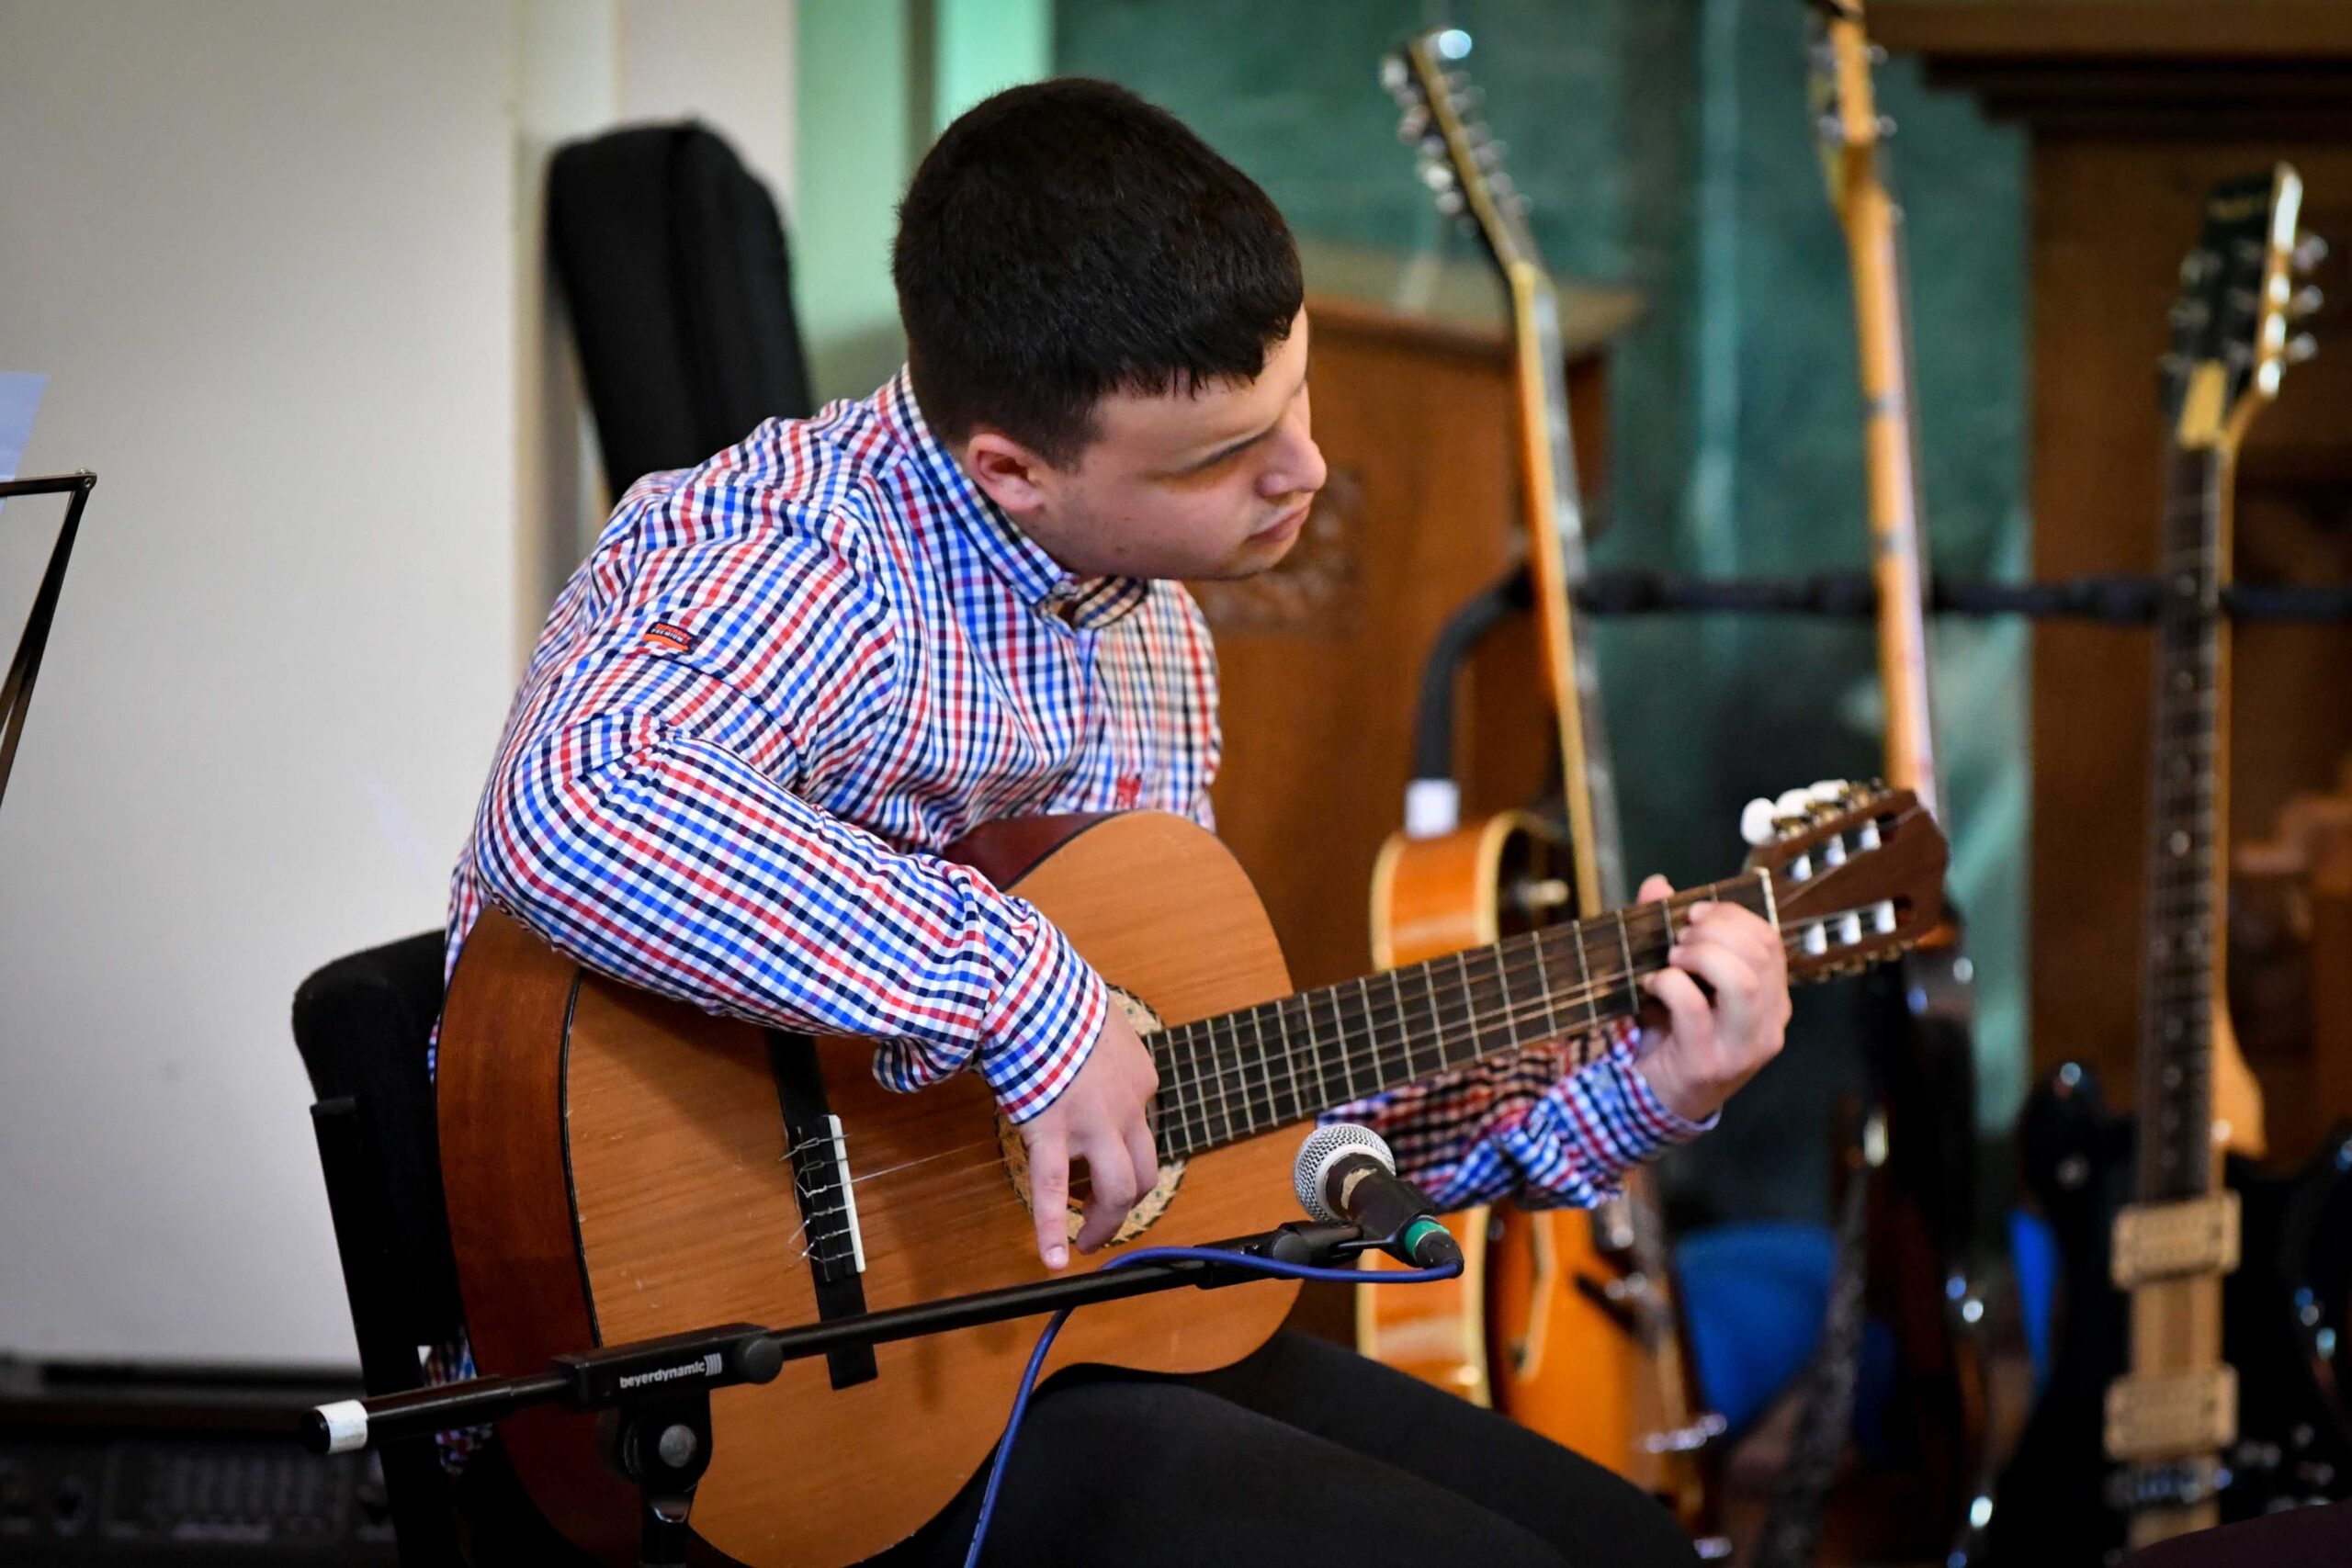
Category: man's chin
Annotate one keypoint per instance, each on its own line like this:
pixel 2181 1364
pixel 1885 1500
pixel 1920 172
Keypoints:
pixel 1254 556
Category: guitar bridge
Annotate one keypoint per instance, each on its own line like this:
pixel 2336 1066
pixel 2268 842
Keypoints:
pixel 2163 1241
pixel 2172 1415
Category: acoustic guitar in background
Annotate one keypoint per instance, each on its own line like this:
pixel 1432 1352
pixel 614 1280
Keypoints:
pixel 1565 1321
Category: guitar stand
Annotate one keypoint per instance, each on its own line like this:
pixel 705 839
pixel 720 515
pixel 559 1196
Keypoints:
pixel 652 1397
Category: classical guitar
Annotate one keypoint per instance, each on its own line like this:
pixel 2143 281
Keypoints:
pixel 2175 1399
pixel 1579 1304
pixel 1918 1014
pixel 620 1166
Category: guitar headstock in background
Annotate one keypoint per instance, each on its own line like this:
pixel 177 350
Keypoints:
pixel 1461 161
pixel 2241 298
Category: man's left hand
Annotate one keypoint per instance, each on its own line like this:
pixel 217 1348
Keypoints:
pixel 1709 1047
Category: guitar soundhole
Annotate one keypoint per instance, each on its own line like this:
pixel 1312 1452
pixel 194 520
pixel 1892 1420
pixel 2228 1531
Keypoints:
pixel 1148 1209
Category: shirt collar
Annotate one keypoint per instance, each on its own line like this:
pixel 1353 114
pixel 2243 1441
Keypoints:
pixel 1088 604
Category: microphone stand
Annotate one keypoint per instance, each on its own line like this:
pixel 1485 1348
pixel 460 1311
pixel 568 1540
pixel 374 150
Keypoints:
pixel 654 1395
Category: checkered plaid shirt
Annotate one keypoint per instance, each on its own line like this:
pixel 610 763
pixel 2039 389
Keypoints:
pixel 784 679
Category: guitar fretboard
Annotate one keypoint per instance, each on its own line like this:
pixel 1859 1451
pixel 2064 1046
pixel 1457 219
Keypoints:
pixel 2176 1011
pixel 1238 1073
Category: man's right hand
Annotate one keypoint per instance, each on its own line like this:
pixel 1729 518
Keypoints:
pixel 1102 1118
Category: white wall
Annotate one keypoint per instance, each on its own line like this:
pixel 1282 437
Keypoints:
pixel 279 259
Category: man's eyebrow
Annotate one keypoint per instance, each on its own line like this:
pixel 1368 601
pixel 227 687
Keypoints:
pixel 1245 443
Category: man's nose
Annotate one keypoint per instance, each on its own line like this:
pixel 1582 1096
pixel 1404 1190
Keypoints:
pixel 1301 471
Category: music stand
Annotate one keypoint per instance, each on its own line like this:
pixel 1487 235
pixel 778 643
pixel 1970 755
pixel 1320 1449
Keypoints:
pixel 17 688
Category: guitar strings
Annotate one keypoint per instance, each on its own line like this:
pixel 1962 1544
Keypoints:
pixel 1466 1000
pixel 1465 1005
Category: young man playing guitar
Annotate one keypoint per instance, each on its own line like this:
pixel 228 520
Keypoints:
pixel 784 679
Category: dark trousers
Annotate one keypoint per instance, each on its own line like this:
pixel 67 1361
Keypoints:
pixel 1302 1453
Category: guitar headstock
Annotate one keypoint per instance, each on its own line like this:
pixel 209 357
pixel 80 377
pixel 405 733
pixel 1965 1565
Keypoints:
pixel 2241 296
pixel 1858 874
pixel 1461 161
pixel 1845 108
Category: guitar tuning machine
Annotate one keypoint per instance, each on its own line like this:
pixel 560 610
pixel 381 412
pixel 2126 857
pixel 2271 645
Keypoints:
pixel 2310 251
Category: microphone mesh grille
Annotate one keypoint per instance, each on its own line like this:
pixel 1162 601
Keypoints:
pixel 1323 1145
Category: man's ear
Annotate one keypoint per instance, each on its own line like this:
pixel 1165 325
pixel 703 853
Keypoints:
pixel 1008 473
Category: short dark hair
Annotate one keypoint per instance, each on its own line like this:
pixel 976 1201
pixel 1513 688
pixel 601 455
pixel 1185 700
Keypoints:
pixel 1066 240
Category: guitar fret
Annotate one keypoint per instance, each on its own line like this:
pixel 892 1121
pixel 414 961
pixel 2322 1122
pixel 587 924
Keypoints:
pixel 1625 945
pixel 1179 1063
pixel 1380 1078
pixel 1313 1053
pixel 1543 991
pixel 1340 1043
pixel 1290 1063
pixel 1470 1004
pixel 1437 1028
pixel 1403 1030
pixel 1240 1070
pixel 1584 979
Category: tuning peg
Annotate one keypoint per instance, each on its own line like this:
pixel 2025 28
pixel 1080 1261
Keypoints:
pixel 1885 127
pixel 2310 251
pixel 1877 54
pixel 2305 302
pixel 2197 266
pixel 2300 348
pixel 1757 823
pixel 1437 175
pixel 1395 75
pixel 1413 123
pixel 1450 202
pixel 1830 128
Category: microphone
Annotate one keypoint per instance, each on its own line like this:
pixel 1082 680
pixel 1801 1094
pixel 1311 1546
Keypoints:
pixel 1346 1175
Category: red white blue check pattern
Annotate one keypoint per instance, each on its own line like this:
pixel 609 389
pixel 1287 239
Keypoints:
pixel 784 679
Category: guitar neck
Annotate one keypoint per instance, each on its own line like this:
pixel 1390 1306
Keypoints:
pixel 1873 223
pixel 1556 558
pixel 2182 970
pixel 1239 1074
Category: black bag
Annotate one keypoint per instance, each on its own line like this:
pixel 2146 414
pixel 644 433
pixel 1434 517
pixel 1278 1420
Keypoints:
pixel 672 264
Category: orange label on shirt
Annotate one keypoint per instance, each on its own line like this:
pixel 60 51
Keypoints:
pixel 674 639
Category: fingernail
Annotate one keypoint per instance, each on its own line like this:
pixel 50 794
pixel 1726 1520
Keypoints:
pixel 1698 910
pixel 1056 1257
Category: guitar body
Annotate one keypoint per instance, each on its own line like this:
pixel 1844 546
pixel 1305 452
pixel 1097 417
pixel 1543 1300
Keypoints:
pixel 563 1093
pixel 1593 1357
pixel 618 1166
pixel 2285 1312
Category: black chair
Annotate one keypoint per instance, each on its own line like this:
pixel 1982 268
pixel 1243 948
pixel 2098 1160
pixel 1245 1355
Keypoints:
pixel 677 277
pixel 363 1025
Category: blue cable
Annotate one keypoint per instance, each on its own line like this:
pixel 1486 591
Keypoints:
pixel 1268 1266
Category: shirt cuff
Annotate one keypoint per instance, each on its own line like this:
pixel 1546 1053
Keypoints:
pixel 1618 1119
pixel 1053 1007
